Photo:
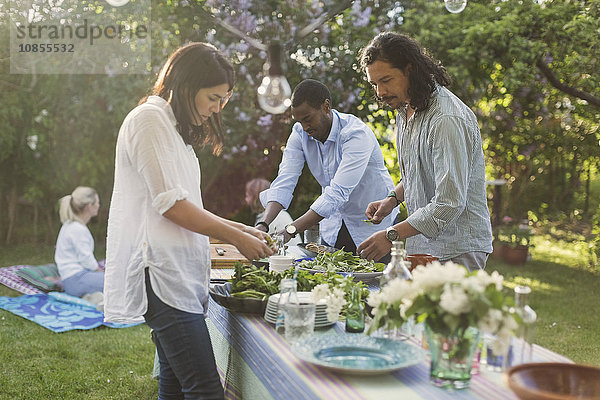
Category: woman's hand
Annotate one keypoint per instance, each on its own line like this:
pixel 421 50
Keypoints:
pixel 252 247
pixel 378 210
pixel 262 235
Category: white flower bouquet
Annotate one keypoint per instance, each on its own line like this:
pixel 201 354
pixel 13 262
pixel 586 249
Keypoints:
pixel 449 299
pixel 336 294
pixel 334 297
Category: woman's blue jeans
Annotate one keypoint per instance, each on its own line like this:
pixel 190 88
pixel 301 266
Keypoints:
pixel 187 363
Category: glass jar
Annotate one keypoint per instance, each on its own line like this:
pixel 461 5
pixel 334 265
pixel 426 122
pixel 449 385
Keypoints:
pixel 287 294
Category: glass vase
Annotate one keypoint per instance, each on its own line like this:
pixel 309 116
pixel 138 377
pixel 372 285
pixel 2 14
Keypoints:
pixel 452 356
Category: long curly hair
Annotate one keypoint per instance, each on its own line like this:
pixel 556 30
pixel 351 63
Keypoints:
pixel 190 68
pixel 400 51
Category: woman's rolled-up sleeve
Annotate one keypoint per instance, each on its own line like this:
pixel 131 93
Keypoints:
pixel 152 149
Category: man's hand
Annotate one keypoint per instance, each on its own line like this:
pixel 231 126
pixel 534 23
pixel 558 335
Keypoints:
pixel 375 247
pixel 262 226
pixel 378 210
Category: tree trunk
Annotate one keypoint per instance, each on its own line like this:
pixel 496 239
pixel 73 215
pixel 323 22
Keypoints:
pixel 35 222
pixel 586 202
pixel 12 213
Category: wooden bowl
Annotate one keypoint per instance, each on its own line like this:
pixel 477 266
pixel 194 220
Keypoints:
pixel 554 381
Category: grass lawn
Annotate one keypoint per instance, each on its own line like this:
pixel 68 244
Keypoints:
pixel 101 363
pixel 564 294
pixel 105 363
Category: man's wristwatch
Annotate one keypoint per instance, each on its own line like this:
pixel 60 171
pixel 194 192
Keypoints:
pixel 393 194
pixel 391 234
pixel 262 223
pixel 291 230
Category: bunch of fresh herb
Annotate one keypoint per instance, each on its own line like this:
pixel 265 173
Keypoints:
pixel 250 281
pixel 255 282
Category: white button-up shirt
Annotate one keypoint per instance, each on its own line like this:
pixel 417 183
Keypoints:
pixel 153 169
pixel 349 167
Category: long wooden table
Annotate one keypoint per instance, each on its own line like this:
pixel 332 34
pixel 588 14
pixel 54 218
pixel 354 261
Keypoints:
pixel 256 363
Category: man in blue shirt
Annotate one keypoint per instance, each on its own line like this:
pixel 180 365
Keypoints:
pixel 440 155
pixel 344 156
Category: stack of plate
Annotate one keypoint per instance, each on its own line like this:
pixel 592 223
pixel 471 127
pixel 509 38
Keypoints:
pixel 303 297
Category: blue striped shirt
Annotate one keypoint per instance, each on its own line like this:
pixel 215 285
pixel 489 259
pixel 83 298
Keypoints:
pixel 443 172
pixel 349 167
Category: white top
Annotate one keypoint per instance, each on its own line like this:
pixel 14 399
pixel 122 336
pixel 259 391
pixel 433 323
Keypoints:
pixel 153 169
pixel 74 249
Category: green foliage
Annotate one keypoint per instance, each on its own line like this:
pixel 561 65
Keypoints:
pixel 513 235
pixel 537 137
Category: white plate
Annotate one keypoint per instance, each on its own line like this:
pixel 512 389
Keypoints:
pixel 320 313
pixel 357 354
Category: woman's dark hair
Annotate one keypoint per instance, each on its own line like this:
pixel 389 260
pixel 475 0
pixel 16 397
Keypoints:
pixel 193 67
pixel 401 50
pixel 312 92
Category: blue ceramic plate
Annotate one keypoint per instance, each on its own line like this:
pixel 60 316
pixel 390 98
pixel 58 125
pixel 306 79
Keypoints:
pixel 357 354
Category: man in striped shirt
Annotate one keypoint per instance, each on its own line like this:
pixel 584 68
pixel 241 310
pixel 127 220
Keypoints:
pixel 440 155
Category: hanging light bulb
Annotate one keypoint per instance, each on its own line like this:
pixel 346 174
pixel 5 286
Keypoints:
pixel 275 91
pixel 455 6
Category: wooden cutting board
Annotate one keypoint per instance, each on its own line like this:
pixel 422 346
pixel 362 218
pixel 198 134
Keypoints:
pixel 228 259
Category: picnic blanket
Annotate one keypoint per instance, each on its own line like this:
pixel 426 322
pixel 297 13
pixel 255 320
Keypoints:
pixel 9 277
pixel 58 312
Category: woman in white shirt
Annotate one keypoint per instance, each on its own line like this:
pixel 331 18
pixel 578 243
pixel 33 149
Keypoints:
pixel 158 252
pixel 74 255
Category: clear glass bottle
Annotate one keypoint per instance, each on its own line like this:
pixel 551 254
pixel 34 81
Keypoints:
pixel 280 244
pixel 355 313
pixel 287 294
pixel 526 330
pixel 398 267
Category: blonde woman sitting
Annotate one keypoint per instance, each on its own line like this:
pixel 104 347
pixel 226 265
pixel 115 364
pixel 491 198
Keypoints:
pixel 74 255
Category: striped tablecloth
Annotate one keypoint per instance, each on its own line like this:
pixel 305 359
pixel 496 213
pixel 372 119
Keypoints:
pixel 256 363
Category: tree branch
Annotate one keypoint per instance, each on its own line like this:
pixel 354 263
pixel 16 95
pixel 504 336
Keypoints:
pixel 590 98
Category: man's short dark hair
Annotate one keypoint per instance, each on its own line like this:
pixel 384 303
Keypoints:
pixel 312 92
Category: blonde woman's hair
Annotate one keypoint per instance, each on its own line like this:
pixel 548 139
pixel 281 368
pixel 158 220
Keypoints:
pixel 71 206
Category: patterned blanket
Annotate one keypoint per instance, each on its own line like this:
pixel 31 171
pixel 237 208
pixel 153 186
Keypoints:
pixel 9 278
pixel 59 313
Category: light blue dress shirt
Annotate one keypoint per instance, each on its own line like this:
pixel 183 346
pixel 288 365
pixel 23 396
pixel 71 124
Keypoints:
pixel 350 169
pixel 443 172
